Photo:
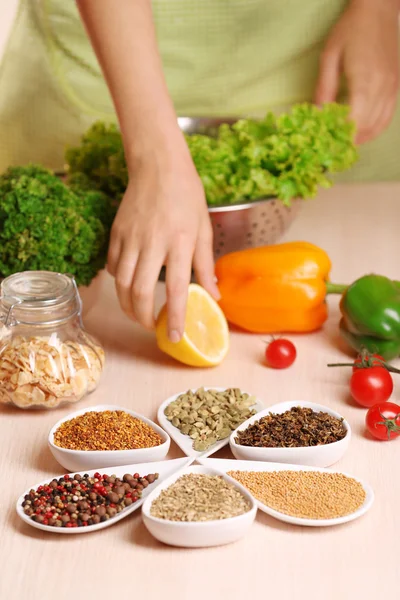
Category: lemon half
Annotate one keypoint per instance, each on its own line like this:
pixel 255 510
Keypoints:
pixel 205 342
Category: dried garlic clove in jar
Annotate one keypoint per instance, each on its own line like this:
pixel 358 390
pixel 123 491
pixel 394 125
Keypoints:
pixel 46 356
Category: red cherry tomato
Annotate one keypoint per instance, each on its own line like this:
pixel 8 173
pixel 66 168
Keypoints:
pixel 383 421
pixel 280 354
pixel 370 386
pixel 376 361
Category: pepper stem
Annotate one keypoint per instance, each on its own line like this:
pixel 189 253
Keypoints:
pixel 335 288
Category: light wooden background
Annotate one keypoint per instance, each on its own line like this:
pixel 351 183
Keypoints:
pixel 359 228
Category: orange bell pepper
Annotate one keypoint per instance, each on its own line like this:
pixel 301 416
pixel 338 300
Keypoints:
pixel 275 289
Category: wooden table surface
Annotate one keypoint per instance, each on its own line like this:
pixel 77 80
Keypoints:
pixel 359 227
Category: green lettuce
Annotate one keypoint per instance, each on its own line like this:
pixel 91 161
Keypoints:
pixel 287 156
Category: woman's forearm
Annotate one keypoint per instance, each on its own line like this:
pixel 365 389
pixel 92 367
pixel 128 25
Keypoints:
pixel 123 36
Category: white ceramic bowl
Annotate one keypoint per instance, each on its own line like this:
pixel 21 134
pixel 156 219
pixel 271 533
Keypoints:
pixel 313 456
pixel 224 466
pixel 79 460
pixel 164 469
pixel 198 535
pixel 185 442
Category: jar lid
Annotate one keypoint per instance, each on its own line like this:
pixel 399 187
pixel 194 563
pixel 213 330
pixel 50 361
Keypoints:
pixel 39 297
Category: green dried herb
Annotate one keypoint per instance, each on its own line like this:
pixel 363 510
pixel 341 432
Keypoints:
pixel 294 428
pixel 209 416
pixel 196 497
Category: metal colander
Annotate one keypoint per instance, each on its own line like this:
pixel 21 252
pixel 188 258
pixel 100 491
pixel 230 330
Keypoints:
pixel 257 223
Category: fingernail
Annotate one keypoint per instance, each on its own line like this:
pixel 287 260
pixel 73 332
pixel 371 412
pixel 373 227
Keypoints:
pixel 174 336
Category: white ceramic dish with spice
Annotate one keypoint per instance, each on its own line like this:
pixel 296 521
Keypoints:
pixel 185 442
pixel 78 460
pixel 164 469
pixel 313 456
pixel 224 466
pixel 198 534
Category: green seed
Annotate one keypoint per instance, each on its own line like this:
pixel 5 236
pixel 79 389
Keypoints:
pixel 208 416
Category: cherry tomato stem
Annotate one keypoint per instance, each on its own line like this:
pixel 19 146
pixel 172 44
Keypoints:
pixel 357 366
pixel 390 424
pixel 383 421
pixel 366 360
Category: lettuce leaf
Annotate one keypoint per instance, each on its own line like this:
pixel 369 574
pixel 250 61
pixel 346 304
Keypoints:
pixel 287 156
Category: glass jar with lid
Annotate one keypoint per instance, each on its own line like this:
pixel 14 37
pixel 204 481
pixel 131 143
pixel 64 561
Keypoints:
pixel 46 356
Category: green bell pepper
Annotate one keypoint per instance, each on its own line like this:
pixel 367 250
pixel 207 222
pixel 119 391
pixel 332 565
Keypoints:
pixel 370 310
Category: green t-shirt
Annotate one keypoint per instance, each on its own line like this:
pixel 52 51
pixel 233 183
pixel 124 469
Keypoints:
pixel 220 57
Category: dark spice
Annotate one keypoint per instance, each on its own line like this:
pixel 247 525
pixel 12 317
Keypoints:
pixel 85 501
pixel 294 428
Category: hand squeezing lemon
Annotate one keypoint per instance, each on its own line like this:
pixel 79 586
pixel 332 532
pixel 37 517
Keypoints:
pixel 205 342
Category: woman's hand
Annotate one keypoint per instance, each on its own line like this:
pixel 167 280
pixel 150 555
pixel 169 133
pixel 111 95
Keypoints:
pixel 364 47
pixel 162 220
pixel 163 217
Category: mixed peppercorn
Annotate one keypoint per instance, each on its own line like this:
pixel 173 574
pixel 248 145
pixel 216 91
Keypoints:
pixel 81 500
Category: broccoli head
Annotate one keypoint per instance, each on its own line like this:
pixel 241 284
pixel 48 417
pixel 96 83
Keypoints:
pixel 45 225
